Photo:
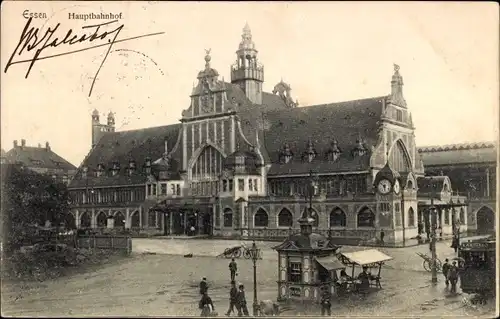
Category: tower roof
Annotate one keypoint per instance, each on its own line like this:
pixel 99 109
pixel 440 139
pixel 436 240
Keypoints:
pixel 95 112
pixel 246 39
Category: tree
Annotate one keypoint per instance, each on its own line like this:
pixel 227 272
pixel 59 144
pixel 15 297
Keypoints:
pixel 29 199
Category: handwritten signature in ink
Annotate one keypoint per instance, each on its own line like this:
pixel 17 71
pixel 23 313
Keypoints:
pixel 31 40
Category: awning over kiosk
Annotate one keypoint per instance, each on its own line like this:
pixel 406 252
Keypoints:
pixel 330 263
pixel 365 257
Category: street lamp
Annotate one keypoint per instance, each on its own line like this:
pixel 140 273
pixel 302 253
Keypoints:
pixel 255 254
pixel 433 234
pixel 311 191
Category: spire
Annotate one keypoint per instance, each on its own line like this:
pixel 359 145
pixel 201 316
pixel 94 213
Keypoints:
pixel 246 39
pixel 207 59
pixel 397 88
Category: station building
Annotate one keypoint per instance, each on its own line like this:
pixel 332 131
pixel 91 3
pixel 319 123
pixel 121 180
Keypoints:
pixel 241 162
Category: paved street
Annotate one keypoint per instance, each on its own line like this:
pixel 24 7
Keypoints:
pixel 166 284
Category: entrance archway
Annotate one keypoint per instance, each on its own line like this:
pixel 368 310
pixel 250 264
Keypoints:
pixel 485 219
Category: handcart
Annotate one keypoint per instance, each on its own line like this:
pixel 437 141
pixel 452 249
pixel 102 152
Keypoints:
pixel 427 263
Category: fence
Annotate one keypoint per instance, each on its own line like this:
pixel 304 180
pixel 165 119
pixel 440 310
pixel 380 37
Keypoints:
pixel 106 242
pixel 339 236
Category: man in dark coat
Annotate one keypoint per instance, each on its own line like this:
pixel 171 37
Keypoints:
pixel 326 303
pixel 203 286
pixel 206 305
pixel 453 277
pixel 242 302
pixel 233 299
pixel 233 267
pixel 446 268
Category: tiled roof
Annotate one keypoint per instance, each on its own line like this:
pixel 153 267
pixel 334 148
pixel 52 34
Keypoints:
pixel 344 122
pixel 458 154
pixel 38 157
pixel 425 183
pixel 123 146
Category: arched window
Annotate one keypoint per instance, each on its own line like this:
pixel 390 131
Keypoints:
pixel 409 185
pixel 119 220
pixel 69 221
pixel 228 217
pixel 261 219
pixel 205 172
pixel 285 218
pixel 398 158
pixel 411 217
pixel 135 220
pixel 102 220
pixel 85 220
pixel 338 218
pixel 366 218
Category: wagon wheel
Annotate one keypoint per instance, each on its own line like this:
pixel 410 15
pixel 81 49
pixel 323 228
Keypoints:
pixel 247 254
pixel 427 265
pixel 227 253
pixel 237 253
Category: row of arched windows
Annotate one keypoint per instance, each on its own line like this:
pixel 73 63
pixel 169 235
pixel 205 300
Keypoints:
pixel 285 218
pixel 102 219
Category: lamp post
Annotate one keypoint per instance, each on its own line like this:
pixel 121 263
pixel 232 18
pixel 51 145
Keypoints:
pixel 255 253
pixel 433 234
pixel 311 190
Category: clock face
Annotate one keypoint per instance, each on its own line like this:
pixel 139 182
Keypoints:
pixel 384 186
pixel 396 187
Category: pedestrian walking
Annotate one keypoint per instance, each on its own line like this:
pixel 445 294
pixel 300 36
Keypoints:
pixel 233 267
pixel 203 286
pixel 382 235
pixel 326 302
pixel 242 302
pixel 453 277
pixel 454 243
pixel 233 299
pixel 446 268
pixel 206 305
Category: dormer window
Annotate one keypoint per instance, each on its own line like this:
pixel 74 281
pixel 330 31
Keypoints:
pixel 286 154
pixel 334 152
pixel 147 164
pixel 115 169
pixel 131 164
pixel 360 149
pixel 310 154
pixel 85 169
pixel 100 169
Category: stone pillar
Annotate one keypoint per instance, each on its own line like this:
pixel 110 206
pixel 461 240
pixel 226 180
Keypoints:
pixel 128 220
pixel 77 219
pixel 487 190
pixel 171 219
pixel 93 221
pixel 140 216
pixel 110 222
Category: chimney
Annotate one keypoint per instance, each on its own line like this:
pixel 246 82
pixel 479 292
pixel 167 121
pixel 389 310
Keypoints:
pixel 47 146
pixel 166 146
pixel 15 143
pixel 39 145
pixel 23 142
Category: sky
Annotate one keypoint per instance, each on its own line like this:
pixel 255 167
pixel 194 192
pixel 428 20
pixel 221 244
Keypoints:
pixel 327 51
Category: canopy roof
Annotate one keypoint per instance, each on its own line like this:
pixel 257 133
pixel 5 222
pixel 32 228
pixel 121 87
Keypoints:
pixel 330 263
pixel 366 257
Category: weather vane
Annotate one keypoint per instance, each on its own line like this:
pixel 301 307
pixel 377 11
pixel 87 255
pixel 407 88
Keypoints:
pixel 207 51
pixel 396 67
